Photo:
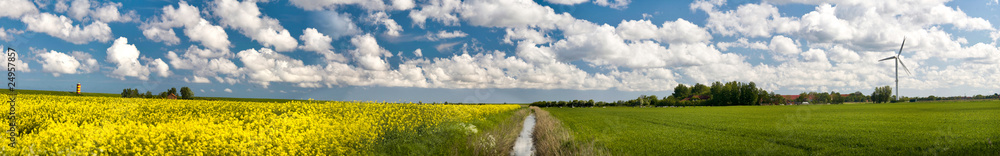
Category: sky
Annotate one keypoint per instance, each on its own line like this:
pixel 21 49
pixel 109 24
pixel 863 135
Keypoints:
pixel 492 51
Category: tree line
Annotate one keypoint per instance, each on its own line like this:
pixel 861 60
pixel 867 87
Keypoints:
pixel 718 94
pixel 185 93
pixel 739 93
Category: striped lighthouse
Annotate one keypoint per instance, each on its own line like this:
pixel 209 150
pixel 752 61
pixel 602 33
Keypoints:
pixel 77 88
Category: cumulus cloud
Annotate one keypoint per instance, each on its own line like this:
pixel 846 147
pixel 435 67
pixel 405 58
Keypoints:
pixel 59 63
pixel 167 36
pixel 197 79
pixel 567 2
pixel 369 54
pixel 445 35
pixel 63 28
pixel 227 90
pixel 211 36
pixel 784 45
pixel 437 10
pixel 525 34
pixel 335 24
pixel 381 18
pixel 680 31
pixel 204 62
pixel 19 63
pixel 17 8
pixel 126 59
pixel 196 28
pixel 507 13
pixel 265 66
pixel 313 40
pixel 742 43
pixel 246 17
pixel 418 53
pixel 616 4
pixel 83 10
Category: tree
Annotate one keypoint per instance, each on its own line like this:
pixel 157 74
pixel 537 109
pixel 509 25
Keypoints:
pixel 172 91
pixel 822 98
pixel 681 91
pixel 149 94
pixel 881 94
pixel 134 93
pixel 700 89
pixel 835 98
pixel 186 93
pixel 802 98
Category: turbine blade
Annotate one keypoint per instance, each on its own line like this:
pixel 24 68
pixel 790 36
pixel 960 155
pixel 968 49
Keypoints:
pixel 887 58
pixel 901 47
pixel 904 67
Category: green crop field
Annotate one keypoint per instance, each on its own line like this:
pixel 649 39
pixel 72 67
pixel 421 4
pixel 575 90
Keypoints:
pixel 924 128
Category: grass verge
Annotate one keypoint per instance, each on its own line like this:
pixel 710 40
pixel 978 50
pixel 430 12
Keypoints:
pixel 493 135
pixel 552 138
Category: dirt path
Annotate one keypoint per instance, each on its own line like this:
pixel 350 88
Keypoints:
pixel 524 146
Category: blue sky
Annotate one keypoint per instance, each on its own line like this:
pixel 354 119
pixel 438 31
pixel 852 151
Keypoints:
pixel 500 50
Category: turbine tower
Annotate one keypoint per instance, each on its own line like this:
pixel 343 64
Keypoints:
pixel 898 62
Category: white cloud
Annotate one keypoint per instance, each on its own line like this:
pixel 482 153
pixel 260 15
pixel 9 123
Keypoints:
pixel 437 10
pixel 19 64
pixel 63 28
pixel 195 26
pixel 126 57
pixel 17 8
pixel 392 28
pixel 511 13
pixel 247 18
pixel 204 62
pixel 87 62
pixel 784 46
pixel 525 34
pixel 228 90
pixel 445 35
pixel 197 79
pixel 742 43
pixel 418 53
pixel 58 63
pixel 314 5
pixel 313 40
pixel 841 54
pixel 403 4
pixel 566 2
pixel 616 4
pixel 680 31
pixel 335 24
pixel 8 34
pixel 210 36
pixel 265 65
pixel 108 12
pixel 751 20
pixel 161 68
pixel 369 54
pixel 167 36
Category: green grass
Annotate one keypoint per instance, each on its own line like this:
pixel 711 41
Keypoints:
pixel 924 128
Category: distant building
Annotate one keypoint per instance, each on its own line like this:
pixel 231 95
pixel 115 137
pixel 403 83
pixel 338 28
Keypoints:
pixel 696 98
pixel 172 96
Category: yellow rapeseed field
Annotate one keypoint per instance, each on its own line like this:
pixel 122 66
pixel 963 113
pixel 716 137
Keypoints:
pixel 109 125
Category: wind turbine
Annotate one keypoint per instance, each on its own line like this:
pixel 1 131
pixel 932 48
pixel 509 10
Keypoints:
pixel 898 62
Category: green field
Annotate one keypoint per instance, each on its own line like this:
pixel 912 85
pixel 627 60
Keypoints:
pixel 924 128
